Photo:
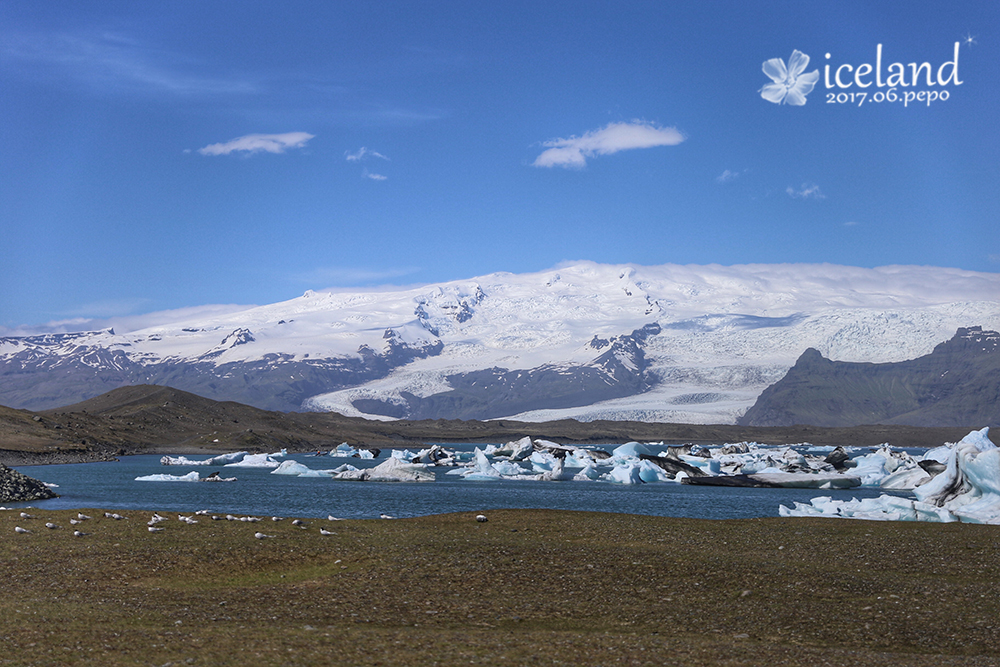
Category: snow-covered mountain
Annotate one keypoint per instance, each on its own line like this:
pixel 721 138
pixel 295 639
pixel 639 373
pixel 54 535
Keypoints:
pixel 666 343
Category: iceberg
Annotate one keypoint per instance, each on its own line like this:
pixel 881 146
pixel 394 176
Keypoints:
pixel 190 477
pixel 221 459
pixel 650 472
pixel 390 470
pixel 968 490
pixel 508 468
pixel 628 473
pixel 630 450
pixel 588 474
pixel 291 467
pixel 255 461
pixel 516 450
pixel 542 462
pixel 557 473
pixel 482 468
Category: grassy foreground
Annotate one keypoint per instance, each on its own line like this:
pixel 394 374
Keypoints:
pixel 527 587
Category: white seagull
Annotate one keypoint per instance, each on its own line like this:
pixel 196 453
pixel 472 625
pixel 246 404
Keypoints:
pixel 79 533
pixel 155 529
pixel 82 517
pixel 51 526
pixel 261 536
pixel 25 515
pixel 18 529
pixel 324 531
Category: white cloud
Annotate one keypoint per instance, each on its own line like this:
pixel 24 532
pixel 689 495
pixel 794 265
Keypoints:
pixel 727 176
pixel 851 223
pixel 374 177
pixel 255 143
pixel 807 191
pixel 361 154
pixel 615 137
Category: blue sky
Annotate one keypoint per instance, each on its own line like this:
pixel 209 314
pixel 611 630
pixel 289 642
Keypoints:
pixel 166 155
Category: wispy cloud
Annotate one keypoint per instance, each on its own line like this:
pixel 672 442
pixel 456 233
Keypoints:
pixel 851 223
pixel 373 176
pixel 614 137
pixel 123 323
pixel 727 176
pixel 256 143
pixel 339 276
pixel 362 154
pixel 807 191
pixel 111 62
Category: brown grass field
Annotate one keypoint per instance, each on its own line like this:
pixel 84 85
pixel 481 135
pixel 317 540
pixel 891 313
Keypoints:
pixel 526 587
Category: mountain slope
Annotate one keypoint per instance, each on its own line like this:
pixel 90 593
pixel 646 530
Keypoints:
pixel 958 384
pixel 693 344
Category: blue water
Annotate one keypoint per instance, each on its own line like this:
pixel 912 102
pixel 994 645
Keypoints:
pixel 112 486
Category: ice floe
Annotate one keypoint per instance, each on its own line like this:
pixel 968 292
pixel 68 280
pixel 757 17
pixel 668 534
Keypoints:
pixel 221 459
pixel 192 476
pixel 255 461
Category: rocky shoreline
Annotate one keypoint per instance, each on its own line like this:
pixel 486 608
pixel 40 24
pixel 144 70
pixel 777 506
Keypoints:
pixel 17 487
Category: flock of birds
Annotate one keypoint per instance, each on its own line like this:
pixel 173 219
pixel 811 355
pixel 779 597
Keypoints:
pixel 157 518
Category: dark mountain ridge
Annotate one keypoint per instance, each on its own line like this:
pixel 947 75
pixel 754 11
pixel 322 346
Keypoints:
pixel 958 383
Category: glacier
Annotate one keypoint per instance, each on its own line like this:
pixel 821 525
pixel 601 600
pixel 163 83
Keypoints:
pixel 694 344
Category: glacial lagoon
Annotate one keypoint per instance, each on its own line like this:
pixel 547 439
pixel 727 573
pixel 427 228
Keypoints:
pixel 112 485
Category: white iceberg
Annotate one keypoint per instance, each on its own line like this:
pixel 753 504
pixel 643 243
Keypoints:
pixel 255 461
pixel 221 459
pixel 291 467
pixel 630 450
pixel 190 477
pixel 543 462
pixel 650 472
pixel 556 473
pixel 509 468
pixel 628 473
pixel 390 470
pixel 968 490
pixel 482 469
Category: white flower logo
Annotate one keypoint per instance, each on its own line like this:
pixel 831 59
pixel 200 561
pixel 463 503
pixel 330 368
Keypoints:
pixel 790 85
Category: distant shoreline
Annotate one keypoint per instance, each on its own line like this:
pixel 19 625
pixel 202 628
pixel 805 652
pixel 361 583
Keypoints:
pixel 147 419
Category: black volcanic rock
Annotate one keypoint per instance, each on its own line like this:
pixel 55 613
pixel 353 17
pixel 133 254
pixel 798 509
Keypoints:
pixel 958 384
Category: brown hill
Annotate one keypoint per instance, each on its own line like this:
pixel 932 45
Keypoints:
pixel 153 419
